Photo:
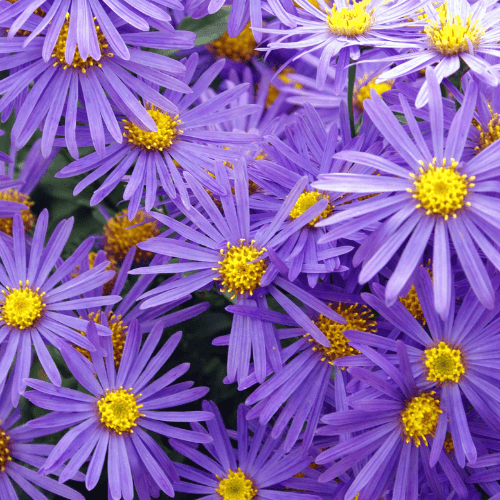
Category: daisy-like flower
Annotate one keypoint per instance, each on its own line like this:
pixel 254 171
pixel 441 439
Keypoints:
pixel 396 421
pixel 34 301
pixel 453 31
pixel 299 388
pixel 40 16
pixel 34 168
pixel 428 194
pixel 221 248
pixel 339 30
pixel 20 458
pixel 255 470
pixel 118 318
pixel 456 358
pixel 182 139
pixel 115 413
pixel 99 85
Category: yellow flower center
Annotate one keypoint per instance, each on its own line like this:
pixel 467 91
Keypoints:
pixel 26 214
pixel 411 302
pixel 119 410
pixel 236 486
pixel 120 237
pixel 163 138
pixel 5 457
pixel 420 417
pixel 489 134
pixel 273 92
pixel 451 36
pixel 118 336
pixel 59 52
pixel 362 91
pixel 448 443
pixel 22 306
pixel 237 272
pixel 350 21
pixel 444 364
pixel 239 49
pixel 308 199
pixel 357 318
pixel 441 190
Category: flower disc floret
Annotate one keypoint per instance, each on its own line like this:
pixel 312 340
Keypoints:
pixel 5 456
pixel 441 190
pixel 489 134
pixel 364 87
pixel 236 486
pixel 26 214
pixel 22 307
pixel 240 49
pixel 118 410
pixel 308 199
pixel 120 236
pixel 350 21
pixel 444 364
pixel 420 417
pixel 450 36
pixel 237 272
pixel 59 52
pixel 167 130
pixel 358 317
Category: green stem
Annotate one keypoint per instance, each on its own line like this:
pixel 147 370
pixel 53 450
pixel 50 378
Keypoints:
pixel 350 96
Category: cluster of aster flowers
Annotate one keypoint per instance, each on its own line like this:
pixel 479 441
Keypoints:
pixel 325 174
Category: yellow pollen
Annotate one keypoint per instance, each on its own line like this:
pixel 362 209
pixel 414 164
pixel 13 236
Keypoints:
pixel 120 237
pixel 239 49
pixel 448 443
pixel 5 457
pixel 441 190
pixel 450 36
pixel 308 199
pixel 118 336
pixel 236 486
pixel 357 317
pixel 22 306
pixel 444 364
pixel 26 214
pixel 489 134
pixel 274 92
pixel 363 88
pixel 411 302
pixel 236 272
pixel 119 410
pixel 163 138
pixel 107 287
pixel 350 22
pixel 59 52
pixel 420 417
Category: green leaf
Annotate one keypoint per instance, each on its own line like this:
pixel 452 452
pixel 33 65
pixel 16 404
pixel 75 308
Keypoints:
pixel 209 28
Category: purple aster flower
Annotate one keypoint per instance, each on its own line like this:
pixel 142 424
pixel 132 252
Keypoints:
pixel 99 85
pixel 296 393
pixel 182 140
pixel 454 31
pixel 118 318
pixel 257 469
pixel 113 416
pixel 41 16
pixel 395 417
pixel 20 458
pixel 338 32
pixel 428 194
pixel 221 247
pixel 34 302
pixel 459 358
